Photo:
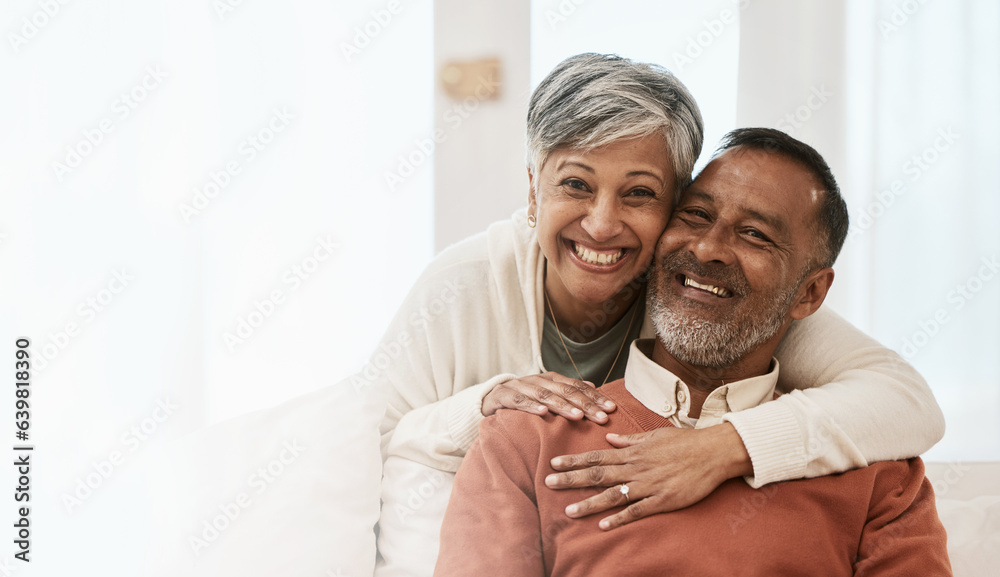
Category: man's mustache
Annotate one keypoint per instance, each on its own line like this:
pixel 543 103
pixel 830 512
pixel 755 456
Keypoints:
pixel 730 277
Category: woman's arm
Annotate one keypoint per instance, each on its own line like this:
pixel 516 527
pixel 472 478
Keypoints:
pixel 853 402
pixel 440 434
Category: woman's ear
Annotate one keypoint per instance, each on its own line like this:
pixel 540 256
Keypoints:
pixel 532 202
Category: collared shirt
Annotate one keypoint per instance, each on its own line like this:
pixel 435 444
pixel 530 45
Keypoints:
pixel 660 391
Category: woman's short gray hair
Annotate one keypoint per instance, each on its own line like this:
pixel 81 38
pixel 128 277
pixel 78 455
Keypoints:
pixel 590 100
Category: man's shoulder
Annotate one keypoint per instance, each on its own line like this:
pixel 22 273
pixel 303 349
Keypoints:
pixel 898 478
pixel 553 433
pixel 878 482
pixel 894 472
pixel 616 391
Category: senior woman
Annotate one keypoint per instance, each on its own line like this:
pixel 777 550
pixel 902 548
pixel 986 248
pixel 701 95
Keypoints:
pixel 538 312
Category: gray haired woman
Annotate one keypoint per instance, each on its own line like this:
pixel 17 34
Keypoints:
pixel 537 312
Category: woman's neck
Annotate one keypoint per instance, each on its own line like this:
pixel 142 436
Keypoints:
pixel 584 322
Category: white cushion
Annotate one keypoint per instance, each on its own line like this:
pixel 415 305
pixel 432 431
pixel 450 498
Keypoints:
pixel 973 535
pixel 968 503
pixel 414 500
pixel 292 490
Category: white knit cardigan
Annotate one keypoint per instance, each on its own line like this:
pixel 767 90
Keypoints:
pixel 474 319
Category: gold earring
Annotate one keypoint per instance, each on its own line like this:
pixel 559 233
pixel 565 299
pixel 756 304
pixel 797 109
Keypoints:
pixel 531 221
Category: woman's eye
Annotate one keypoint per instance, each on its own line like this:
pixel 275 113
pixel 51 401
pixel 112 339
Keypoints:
pixel 574 183
pixel 641 192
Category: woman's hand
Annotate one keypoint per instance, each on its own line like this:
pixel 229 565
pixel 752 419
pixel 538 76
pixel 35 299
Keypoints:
pixel 550 391
pixel 665 470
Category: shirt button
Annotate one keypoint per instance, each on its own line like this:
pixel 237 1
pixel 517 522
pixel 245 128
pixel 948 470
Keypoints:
pixel 681 397
pixel 668 408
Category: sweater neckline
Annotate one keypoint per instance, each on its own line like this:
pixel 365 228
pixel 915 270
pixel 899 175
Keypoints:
pixel 630 406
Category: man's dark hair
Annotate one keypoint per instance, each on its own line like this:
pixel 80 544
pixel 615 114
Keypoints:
pixel 832 215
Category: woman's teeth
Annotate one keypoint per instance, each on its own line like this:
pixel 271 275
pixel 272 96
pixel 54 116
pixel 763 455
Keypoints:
pixel 592 257
pixel 717 291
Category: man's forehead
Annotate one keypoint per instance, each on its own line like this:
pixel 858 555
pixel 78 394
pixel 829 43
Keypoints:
pixel 753 164
pixel 768 184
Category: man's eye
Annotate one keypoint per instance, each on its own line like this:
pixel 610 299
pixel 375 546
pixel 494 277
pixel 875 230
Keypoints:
pixel 757 234
pixel 696 213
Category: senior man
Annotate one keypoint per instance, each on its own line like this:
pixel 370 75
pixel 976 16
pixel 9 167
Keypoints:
pixel 747 251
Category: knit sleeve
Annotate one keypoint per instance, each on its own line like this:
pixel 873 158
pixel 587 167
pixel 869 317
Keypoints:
pixel 440 434
pixel 903 534
pixel 492 522
pixel 852 402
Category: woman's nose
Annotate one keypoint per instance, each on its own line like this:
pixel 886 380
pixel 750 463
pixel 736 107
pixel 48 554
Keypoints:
pixel 604 220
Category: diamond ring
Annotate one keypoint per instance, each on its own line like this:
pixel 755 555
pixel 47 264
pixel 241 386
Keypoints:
pixel 624 491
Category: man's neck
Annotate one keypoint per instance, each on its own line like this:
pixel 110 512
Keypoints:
pixel 701 381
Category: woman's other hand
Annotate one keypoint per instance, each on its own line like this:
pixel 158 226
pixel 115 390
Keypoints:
pixel 665 470
pixel 539 394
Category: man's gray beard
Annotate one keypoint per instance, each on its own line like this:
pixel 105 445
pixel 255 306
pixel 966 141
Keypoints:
pixel 704 343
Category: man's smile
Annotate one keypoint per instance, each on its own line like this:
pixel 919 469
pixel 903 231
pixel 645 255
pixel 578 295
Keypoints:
pixel 716 290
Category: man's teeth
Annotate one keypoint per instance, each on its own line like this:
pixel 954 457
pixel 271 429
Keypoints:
pixel 596 257
pixel 717 291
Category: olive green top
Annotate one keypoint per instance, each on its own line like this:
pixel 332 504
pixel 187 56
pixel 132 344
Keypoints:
pixel 593 358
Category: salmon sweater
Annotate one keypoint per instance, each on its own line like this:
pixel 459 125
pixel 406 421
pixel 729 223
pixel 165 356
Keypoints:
pixel 503 520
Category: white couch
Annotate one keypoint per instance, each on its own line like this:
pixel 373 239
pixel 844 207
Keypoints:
pixel 968 501
pixel 316 517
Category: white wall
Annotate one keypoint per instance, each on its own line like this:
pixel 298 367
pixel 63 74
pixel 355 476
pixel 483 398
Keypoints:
pixel 802 91
pixel 479 170
pixel 127 296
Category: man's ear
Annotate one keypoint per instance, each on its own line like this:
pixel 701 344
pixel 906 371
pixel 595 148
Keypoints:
pixel 812 293
pixel 532 203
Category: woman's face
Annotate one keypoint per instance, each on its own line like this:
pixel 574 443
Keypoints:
pixel 600 214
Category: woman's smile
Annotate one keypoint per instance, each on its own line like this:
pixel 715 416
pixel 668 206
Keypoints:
pixel 595 259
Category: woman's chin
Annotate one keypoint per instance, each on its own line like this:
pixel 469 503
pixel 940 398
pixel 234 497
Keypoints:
pixel 596 296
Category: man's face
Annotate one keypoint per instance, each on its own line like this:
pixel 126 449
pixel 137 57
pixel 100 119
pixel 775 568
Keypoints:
pixel 730 265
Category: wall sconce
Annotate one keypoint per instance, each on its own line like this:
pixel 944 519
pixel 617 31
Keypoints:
pixel 479 79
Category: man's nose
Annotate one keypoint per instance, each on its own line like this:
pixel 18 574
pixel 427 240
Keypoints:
pixel 713 244
pixel 604 220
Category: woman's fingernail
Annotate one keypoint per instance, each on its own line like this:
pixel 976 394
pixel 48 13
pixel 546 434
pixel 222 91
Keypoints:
pixel 556 462
pixel 605 524
pixel 602 415
pixel 609 405
pixel 571 510
pixel 550 480
pixel 576 412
